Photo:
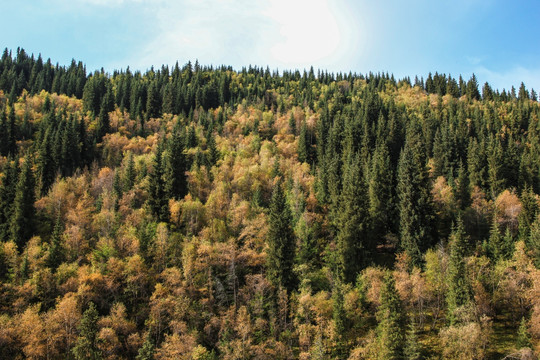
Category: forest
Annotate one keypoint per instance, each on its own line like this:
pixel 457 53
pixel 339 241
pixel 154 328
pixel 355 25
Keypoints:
pixel 200 212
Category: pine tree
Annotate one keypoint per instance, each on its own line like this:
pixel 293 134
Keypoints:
pixel 459 290
pixel 158 201
pixel 415 205
pixel 380 193
pixel 281 241
pixel 56 250
pixel 352 222
pixel 472 88
pixel 86 346
pixel 413 347
pixel 523 335
pixel 304 145
pixel 22 220
pixel 390 337
pixel 7 196
pixel 129 173
pixel 175 167
pixel 146 352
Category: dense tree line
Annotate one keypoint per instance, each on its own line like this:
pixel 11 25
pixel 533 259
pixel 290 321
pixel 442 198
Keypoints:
pixel 204 213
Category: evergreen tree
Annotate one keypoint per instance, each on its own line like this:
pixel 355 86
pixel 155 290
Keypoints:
pixel 459 290
pixel 7 197
pixel 175 167
pixel 380 193
pixel 22 220
pixel 523 335
pixel 158 201
pixel 56 250
pixel 281 241
pixel 472 88
pixel 352 222
pixel 413 347
pixel 129 173
pixel 415 204
pixel 86 346
pixel 390 336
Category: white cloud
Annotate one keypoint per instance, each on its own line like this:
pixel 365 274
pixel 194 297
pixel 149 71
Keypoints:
pixel 513 77
pixel 279 33
pixel 308 31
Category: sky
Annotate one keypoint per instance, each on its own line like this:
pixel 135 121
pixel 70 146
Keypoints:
pixel 498 40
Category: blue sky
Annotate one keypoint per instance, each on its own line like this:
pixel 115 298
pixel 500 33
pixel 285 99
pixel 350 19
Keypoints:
pixel 498 40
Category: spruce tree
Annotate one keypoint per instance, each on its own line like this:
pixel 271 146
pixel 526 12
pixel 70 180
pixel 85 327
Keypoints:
pixel 415 204
pixel 523 335
pixel 390 336
pixel 22 220
pixel 129 173
pixel 7 196
pixel 56 250
pixel 86 346
pixel 352 222
pixel 413 347
pixel 281 241
pixel 158 201
pixel 459 291
pixel 380 193
pixel 175 167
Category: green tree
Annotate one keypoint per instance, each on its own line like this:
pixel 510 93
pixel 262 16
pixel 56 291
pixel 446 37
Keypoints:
pixel 22 220
pixel 390 336
pixel 158 201
pixel 56 250
pixel 352 222
pixel 176 166
pixel 129 173
pixel 523 335
pixel 459 290
pixel 415 204
pixel 86 346
pixel 281 241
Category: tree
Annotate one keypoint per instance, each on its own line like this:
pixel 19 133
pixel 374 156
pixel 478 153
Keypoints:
pixel 129 173
pixel 472 88
pixel 22 220
pixel 159 204
pixel 415 204
pixel 459 290
pixel 523 336
pixel 7 196
pixel 390 337
pixel 281 241
pixel 56 250
pixel 352 223
pixel 86 346
pixel 175 167
pixel 413 348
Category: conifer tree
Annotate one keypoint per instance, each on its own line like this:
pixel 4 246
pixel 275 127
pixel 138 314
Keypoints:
pixel 175 166
pixel 472 88
pixel 56 250
pixel 380 193
pixel 158 201
pixel 413 347
pixel 415 205
pixel 390 336
pixel 281 241
pixel 304 146
pixel 523 335
pixel 22 220
pixel 86 346
pixel 352 222
pixel 459 290
pixel 7 196
pixel 129 173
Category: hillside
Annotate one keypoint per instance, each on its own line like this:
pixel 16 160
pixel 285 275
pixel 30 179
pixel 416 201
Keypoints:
pixel 207 213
